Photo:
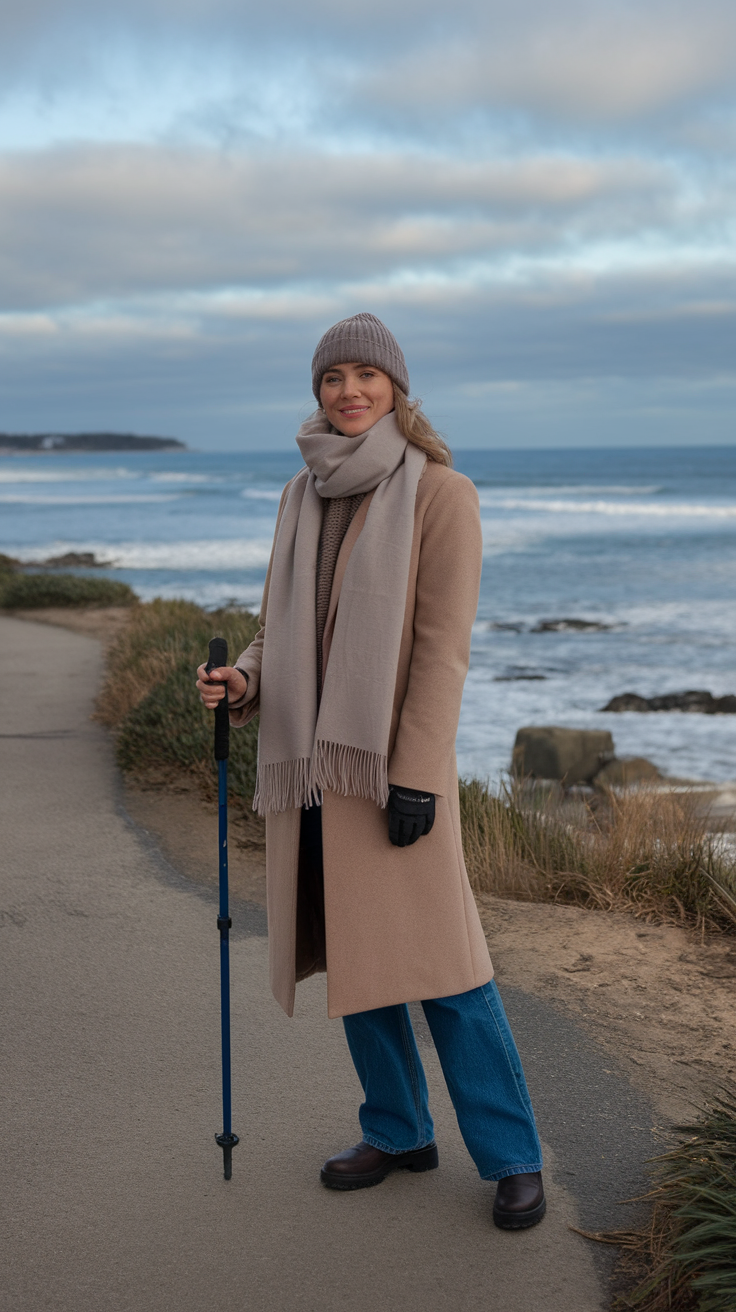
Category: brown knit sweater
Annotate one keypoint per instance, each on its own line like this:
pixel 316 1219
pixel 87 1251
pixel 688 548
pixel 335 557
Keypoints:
pixel 337 516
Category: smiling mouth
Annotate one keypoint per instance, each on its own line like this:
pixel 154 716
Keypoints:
pixel 354 410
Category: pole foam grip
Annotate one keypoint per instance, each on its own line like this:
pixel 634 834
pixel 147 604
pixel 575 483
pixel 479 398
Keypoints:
pixel 218 658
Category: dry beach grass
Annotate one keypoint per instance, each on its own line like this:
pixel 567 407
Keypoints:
pixel 641 850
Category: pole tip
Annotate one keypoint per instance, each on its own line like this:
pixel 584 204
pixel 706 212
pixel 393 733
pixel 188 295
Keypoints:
pixel 227 1142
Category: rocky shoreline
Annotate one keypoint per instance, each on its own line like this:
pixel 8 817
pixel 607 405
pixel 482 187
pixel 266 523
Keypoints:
pixel 69 560
pixel 693 702
pixel 58 443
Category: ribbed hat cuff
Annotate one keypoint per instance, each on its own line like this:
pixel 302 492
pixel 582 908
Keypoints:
pixel 365 339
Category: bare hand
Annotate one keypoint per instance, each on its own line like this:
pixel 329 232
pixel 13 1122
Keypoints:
pixel 212 686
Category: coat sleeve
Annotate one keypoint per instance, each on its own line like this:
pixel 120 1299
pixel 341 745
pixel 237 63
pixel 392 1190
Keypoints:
pixel 249 661
pixel 448 582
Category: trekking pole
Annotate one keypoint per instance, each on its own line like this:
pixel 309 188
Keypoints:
pixel 227 1140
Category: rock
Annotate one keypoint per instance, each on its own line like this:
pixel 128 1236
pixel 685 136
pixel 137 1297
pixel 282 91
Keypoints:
pixel 520 678
pixel 571 626
pixel 622 771
pixel 8 564
pixel 692 702
pixel 627 701
pixel 519 674
pixel 574 756
pixel 74 560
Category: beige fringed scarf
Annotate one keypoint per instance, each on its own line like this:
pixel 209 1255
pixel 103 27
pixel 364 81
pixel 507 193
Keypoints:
pixel 344 745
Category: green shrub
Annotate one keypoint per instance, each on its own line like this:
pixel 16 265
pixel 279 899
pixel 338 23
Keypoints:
pixel 32 591
pixel 150 699
pixel 171 730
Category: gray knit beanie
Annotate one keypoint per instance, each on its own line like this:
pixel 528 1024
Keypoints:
pixel 364 339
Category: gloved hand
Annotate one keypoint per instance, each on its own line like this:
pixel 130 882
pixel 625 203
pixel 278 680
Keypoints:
pixel 410 814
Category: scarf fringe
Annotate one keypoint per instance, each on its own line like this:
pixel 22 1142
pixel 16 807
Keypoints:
pixel 282 786
pixel 349 771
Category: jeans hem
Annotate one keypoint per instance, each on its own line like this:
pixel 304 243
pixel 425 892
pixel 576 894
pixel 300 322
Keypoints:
pixel 514 1170
pixel 395 1152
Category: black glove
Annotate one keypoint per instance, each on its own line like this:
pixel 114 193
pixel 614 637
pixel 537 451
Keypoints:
pixel 410 814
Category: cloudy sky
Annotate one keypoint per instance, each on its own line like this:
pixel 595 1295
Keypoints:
pixel 538 198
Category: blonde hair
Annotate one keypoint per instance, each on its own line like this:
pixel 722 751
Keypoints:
pixel 416 428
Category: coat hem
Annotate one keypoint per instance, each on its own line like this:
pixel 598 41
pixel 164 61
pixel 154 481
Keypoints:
pixel 394 1000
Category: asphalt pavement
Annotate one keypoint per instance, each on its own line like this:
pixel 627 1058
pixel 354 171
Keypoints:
pixel 113 1196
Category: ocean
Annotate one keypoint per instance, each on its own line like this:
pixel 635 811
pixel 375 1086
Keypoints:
pixel 640 542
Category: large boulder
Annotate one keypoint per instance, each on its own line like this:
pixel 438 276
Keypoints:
pixel 626 770
pixel 574 756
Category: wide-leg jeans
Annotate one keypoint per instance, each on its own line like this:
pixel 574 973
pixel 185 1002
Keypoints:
pixel 482 1070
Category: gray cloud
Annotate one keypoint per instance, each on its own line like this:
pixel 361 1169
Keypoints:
pixel 583 59
pixel 489 372
pixel 540 203
pixel 593 61
pixel 98 223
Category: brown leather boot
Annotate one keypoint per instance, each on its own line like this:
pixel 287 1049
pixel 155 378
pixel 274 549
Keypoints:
pixel 364 1165
pixel 520 1201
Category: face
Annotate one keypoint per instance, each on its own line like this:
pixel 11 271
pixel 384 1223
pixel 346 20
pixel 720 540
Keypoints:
pixel 355 396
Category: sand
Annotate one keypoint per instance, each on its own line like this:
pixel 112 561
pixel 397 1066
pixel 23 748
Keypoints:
pixel 660 998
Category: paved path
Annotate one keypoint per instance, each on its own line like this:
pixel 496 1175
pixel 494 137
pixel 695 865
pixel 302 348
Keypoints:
pixel 112 1189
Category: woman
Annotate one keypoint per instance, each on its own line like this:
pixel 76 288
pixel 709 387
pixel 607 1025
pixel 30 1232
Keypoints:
pixel 358 673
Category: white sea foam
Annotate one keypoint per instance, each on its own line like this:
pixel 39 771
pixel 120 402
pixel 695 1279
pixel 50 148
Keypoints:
pixel 490 495
pixel 80 499
pixel 663 510
pixel 683 618
pixel 500 538
pixel 42 474
pixel 209 595
pixel 207 554
pixel 260 495
pixel 165 476
pixel 11 474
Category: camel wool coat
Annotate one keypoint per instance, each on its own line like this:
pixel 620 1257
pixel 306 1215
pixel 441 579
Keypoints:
pixel 400 924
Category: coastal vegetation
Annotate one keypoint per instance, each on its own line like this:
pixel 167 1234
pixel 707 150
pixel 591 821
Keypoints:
pixel 644 850
pixel 26 591
pixel 150 701
pixel 683 1259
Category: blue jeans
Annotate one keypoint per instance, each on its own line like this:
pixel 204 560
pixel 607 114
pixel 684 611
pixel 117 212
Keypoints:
pixel 482 1070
